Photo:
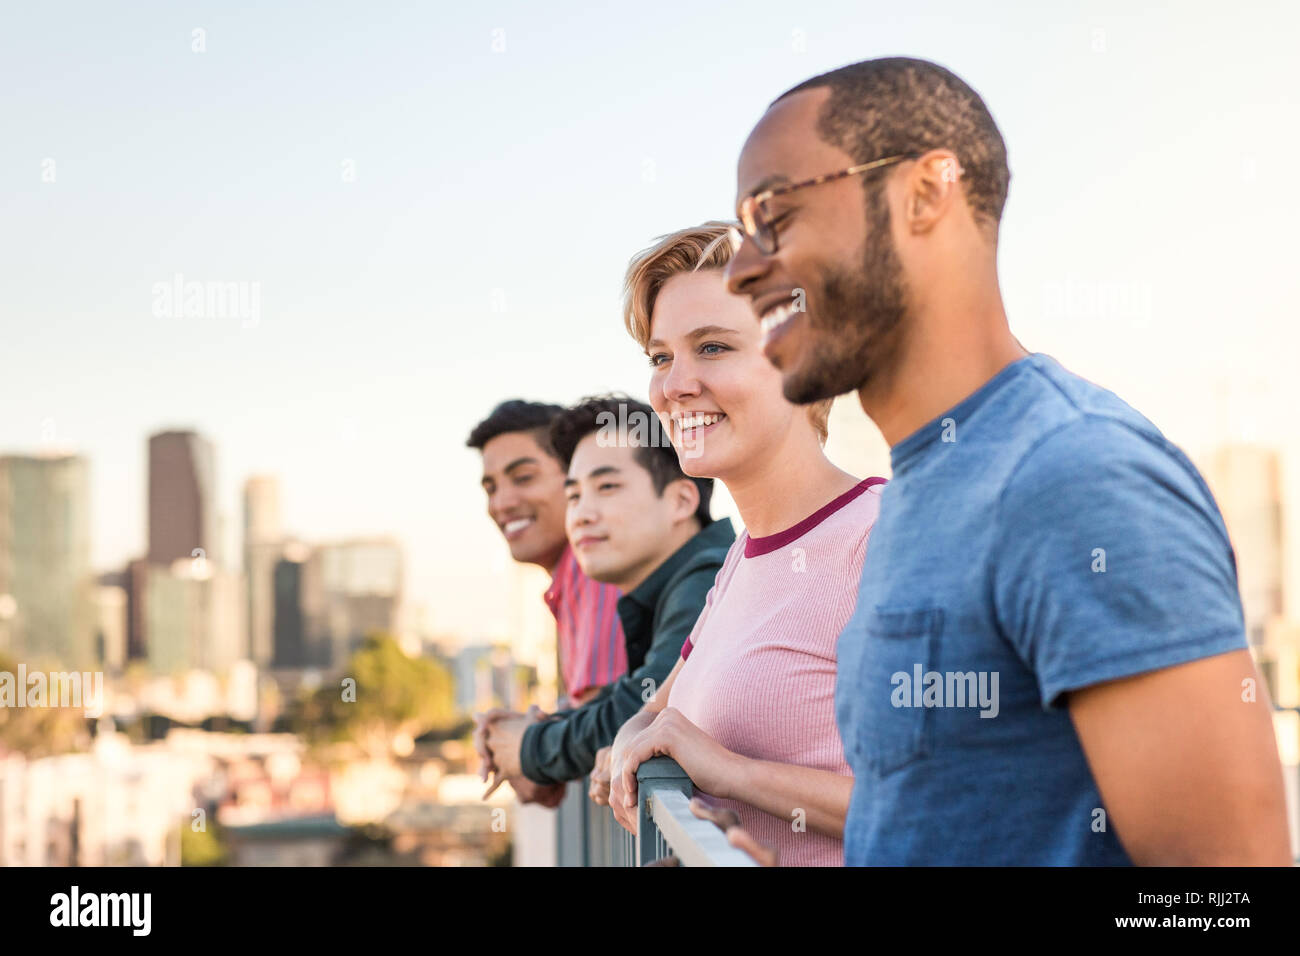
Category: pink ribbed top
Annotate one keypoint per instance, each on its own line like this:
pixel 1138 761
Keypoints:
pixel 759 676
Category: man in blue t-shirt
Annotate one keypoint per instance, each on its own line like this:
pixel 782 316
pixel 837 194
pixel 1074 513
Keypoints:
pixel 1047 662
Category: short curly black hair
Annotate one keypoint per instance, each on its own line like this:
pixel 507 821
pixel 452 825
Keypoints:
pixel 904 106
pixel 657 455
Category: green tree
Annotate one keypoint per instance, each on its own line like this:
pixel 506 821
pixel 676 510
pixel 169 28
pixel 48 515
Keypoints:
pixel 202 847
pixel 390 695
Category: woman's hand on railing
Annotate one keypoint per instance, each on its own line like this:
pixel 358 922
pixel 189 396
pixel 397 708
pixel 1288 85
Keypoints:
pixel 621 804
pixel 622 740
pixel 599 787
pixel 711 766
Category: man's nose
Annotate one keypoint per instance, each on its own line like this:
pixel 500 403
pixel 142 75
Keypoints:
pixel 581 512
pixel 744 267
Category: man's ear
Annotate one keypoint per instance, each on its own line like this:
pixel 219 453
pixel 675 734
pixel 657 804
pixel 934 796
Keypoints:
pixel 686 498
pixel 933 187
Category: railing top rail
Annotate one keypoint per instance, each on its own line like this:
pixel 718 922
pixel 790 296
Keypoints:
pixel 694 841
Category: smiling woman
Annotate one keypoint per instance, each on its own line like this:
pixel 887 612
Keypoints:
pixel 701 248
pixel 767 622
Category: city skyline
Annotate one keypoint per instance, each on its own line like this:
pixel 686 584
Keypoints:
pixel 1252 474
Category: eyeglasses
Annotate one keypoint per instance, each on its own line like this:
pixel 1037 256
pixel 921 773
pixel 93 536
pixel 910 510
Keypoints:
pixel 757 222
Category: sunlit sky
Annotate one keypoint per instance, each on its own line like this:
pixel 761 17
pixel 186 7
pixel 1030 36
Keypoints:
pixel 437 202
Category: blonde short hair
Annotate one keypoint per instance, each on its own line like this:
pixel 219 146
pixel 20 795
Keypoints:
pixel 707 246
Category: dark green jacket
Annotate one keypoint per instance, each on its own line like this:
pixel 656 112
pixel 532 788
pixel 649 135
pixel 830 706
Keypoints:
pixel 657 617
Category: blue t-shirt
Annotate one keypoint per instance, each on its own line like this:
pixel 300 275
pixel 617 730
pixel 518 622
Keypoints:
pixel 1040 537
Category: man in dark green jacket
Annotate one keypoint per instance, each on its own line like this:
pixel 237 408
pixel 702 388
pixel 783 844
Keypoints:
pixel 637 521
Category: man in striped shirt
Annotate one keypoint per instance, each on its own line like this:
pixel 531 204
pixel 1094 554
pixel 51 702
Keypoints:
pixel 524 483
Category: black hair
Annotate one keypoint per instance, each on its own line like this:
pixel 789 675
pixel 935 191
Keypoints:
pixel 904 106
pixel 656 454
pixel 517 415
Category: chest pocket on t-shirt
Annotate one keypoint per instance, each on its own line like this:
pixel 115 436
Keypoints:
pixel 900 646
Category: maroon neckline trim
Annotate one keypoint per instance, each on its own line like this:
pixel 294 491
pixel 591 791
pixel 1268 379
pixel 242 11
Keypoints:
pixel 772 542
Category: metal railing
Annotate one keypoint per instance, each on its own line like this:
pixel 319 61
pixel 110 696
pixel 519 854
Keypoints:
pixel 588 835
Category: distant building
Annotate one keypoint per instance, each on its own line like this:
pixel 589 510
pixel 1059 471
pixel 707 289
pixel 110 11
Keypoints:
pixel 46 582
pixel 349 589
pixel 115 806
pixel 1246 483
pixel 325 600
pixel 137 611
pixel 195 615
pixel 487 676
pixel 289 643
pixel 185 607
pixel 263 546
pixel 471 670
pixel 110 630
pixel 531 624
pixel 182 498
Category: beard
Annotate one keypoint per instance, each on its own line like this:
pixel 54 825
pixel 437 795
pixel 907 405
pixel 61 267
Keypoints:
pixel 857 322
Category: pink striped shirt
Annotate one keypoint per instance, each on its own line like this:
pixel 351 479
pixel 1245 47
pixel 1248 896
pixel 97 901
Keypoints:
pixel 759 676
pixel 589 634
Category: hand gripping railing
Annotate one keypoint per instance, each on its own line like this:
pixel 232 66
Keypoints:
pixel 666 825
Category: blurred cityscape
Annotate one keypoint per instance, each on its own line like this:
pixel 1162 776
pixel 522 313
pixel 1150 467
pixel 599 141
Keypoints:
pixel 284 703
pixel 279 705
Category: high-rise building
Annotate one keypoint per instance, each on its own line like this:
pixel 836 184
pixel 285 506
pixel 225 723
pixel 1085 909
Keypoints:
pixel 262 509
pixel 182 498
pixel 1246 482
pixel 349 589
pixel 46 584
pixel 185 609
pixel 174 618
pixel 263 546
pixel 111 626
pixel 137 616
pixel 288 638
pixel 195 618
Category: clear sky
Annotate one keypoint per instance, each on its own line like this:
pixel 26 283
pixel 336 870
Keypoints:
pixel 436 203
